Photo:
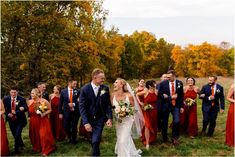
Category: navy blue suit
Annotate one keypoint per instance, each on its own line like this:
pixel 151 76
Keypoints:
pixel 167 107
pixel 16 125
pixel 159 110
pixel 70 117
pixel 209 111
pixel 95 110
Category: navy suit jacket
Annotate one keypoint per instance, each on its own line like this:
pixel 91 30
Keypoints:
pixel 19 114
pixel 64 101
pixel 165 89
pixel 218 101
pixel 92 107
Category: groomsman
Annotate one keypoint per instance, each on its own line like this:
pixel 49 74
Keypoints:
pixel 69 111
pixel 171 95
pixel 16 107
pixel 42 89
pixel 159 105
pixel 212 96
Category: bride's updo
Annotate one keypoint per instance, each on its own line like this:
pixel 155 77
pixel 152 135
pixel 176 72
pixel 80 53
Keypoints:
pixel 123 82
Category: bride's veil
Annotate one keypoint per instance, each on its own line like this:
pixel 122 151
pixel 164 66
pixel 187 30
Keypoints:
pixel 138 116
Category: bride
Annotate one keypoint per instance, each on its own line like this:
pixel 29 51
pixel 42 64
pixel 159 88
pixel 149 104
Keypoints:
pixel 125 145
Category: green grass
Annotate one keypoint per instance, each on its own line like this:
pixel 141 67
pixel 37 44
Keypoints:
pixel 200 146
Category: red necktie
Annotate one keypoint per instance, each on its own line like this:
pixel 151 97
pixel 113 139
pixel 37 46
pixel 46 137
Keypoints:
pixel 172 93
pixel 213 94
pixel 71 96
pixel 13 107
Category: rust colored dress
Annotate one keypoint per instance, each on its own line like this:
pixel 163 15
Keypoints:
pixel 150 118
pixel 188 119
pixel 56 123
pixel 4 142
pixel 40 132
pixel 229 136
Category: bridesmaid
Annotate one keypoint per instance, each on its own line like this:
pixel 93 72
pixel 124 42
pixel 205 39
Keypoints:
pixel 229 139
pixel 188 118
pixel 4 142
pixel 149 131
pixel 40 133
pixel 56 123
pixel 140 88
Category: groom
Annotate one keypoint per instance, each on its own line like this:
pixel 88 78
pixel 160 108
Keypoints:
pixel 95 108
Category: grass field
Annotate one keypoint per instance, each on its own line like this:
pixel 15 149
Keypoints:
pixel 200 146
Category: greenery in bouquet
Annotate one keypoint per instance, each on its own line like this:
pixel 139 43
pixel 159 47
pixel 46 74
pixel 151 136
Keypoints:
pixel 147 107
pixel 124 109
pixel 189 102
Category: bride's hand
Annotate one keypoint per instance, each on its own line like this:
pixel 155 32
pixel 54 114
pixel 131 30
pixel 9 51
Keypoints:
pixel 88 127
pixel 109 123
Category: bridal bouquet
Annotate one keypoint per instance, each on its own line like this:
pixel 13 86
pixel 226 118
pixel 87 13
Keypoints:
pixel 189 102
pixel 41 108
pixel 147 107
pixel 124 109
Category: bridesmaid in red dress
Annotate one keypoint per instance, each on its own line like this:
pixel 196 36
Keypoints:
pixel 139 89
pixel 229 136
pixel 39 125
pixel 56 123
pixel 149 131
pixel 188 119
pixel 4 142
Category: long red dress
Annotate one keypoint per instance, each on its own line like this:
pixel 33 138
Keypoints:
pixel 83 133
pixel 56 123
pixel 188 119
pixel 4 142
pixel 40 132
pixel 229 140
pixel 150 118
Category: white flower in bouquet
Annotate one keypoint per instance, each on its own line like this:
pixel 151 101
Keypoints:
pixel 117 109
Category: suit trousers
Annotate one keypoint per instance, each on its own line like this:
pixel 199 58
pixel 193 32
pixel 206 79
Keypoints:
pixel 16 128
pixel 176 123
pixel 210 117
pixel 70 124
pixel 97 128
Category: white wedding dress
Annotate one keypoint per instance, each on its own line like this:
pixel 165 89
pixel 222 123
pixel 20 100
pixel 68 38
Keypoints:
pixel 125 146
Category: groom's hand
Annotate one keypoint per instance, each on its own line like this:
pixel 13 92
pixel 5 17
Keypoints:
pixel 88 127
pixel 109 123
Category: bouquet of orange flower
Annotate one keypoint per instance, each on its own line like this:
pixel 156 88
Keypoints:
pixel 189 102
pixel 41 108
pixel 147 107
pixel 124 109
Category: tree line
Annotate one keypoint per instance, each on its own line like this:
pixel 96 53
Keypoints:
pixel 49 41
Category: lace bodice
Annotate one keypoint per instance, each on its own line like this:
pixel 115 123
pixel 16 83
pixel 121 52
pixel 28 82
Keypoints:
pixel 115 102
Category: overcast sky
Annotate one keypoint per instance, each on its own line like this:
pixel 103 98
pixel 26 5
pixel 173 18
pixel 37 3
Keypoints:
pixel 177 21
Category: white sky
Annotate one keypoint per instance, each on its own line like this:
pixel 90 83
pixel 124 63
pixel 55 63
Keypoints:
pixel 177 21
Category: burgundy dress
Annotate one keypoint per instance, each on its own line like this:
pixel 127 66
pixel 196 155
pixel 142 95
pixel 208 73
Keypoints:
pixel 229 136
pixel 4 142
pixel 56 123
pixel 150 118
pixel 188 119
pixel 140 97
pixel 40 132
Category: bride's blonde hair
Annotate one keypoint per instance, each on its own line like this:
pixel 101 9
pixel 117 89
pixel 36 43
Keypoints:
pixel 124 83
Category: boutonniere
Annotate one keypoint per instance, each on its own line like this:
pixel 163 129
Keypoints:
pixel 102 92
pixel 178 85
pixel 17 103
pixel 218 91
pixel 75 92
